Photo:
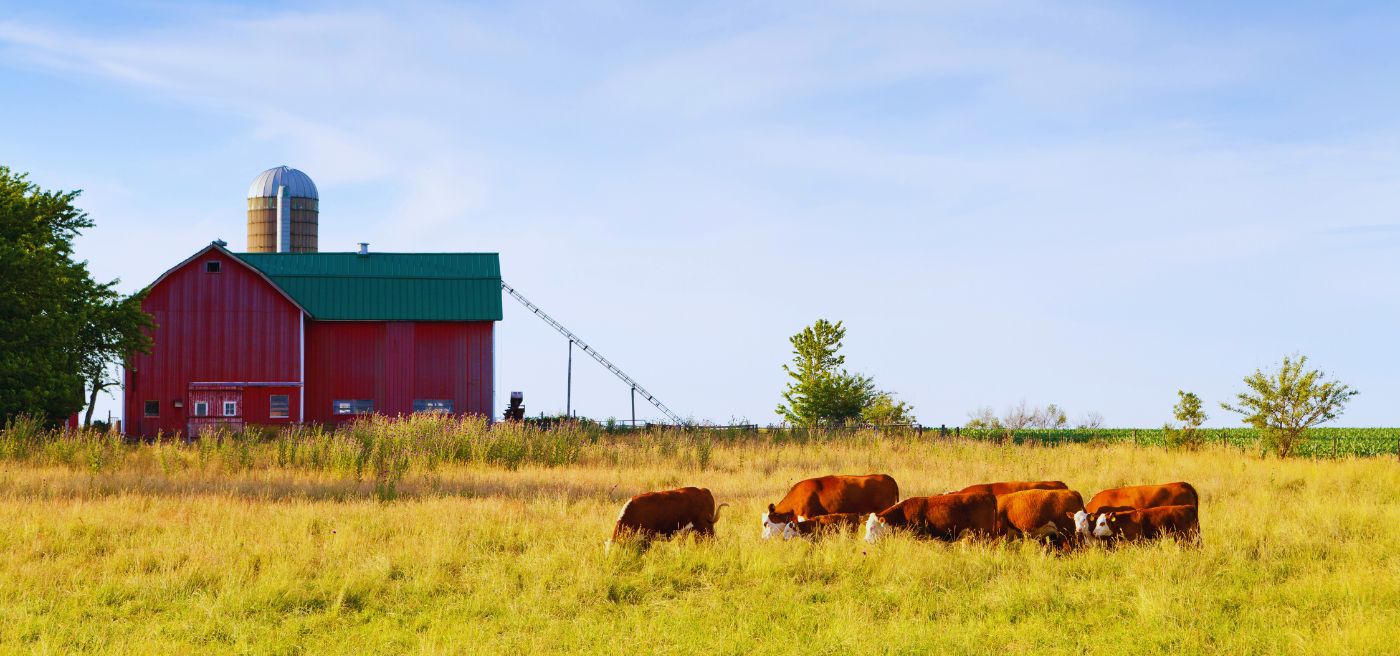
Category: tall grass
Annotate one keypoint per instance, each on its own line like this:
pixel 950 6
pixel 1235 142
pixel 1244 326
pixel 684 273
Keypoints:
pixel 494 544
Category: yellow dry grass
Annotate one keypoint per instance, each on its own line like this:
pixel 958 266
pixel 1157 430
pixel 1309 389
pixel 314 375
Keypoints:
pixel 1298 556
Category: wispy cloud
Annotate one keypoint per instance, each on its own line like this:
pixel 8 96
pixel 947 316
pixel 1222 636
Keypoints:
pixel 1058 177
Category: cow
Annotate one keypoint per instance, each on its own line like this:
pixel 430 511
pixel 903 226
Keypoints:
pixel 1040 513
pixel 827 495
pixel 1149 523
pixel 1143 496
pixel 832 523
pixel 1009 487
pixel 943 517
pixel 665 513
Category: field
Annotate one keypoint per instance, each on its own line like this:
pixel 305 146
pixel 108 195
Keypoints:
pixel 378 542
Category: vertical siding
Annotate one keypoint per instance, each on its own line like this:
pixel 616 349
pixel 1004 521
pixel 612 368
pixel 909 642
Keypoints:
pixel 394 363
pixel 227 326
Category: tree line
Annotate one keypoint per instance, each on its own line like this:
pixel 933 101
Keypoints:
pixel 1282 403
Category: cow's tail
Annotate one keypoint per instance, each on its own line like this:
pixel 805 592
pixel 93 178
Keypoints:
pixel 716 517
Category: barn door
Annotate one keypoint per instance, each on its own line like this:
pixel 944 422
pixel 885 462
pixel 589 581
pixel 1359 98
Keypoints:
pixel 212 408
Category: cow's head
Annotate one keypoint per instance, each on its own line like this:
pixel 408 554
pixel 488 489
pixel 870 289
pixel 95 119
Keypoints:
pixel 1120 525
pixel 774 521
pixel 1083 523
pixel 876 528
pixel 1106 525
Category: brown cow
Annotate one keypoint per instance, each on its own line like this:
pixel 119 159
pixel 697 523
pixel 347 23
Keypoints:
pixel 1144 496
pixel 833 523
pixel 830 494
pixel 1039 514
pixel 1009 487
pixel 1149 523
pixel 944 517
pixel 665 513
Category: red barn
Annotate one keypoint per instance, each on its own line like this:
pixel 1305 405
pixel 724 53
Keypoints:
pixel 273 339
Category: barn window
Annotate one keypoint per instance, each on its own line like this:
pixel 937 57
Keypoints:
pixel 230 408
pixel 201 408
pixel 352 406
pixel 278 405
pixel 213 266
pixel 443 406
pixel 153 408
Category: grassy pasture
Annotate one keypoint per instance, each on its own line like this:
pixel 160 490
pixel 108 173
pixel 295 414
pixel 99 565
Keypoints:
pixel 174 552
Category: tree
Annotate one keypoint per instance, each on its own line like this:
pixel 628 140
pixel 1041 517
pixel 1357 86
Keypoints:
pixel 1090 420
pixel 883 410
pixel 821 393
pixel 1284 404
pixel 1018 417
pixel 114 328
pixel 1190 416
pixel 47 311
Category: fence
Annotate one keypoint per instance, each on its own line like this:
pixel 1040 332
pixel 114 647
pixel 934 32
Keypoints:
pixel 1327 442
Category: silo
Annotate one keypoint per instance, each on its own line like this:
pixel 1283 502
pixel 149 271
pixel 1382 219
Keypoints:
pixel 283 209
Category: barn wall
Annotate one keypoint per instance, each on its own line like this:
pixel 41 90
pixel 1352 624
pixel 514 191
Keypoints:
pixel 231 326
pixel 394 363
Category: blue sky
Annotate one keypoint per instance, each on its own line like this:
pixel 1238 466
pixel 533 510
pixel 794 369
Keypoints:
pixel 1075 203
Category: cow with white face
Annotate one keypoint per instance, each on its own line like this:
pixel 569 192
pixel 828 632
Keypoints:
pixel 1083 525
pixel 774 526
pixel 827 495
pixel 876 528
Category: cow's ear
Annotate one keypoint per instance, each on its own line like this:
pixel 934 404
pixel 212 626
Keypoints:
pixel 772 508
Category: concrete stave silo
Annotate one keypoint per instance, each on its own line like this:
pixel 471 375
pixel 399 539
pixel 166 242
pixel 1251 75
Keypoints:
pixel 283 212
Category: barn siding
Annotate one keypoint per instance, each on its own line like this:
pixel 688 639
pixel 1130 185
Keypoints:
pixel 229 326
pixel 394 363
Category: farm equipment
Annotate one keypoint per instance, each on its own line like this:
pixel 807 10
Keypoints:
pixel 516 410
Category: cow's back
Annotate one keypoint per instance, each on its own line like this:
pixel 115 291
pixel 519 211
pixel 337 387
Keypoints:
pixel 1011 487
pixel 666 512
pixel 1161 521
pixel 945 516
pixel 1145 496
pixel 827 495
pixel 1028 511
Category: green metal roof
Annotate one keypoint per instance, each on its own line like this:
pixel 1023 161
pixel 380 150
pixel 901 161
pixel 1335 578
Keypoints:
pixel 387 286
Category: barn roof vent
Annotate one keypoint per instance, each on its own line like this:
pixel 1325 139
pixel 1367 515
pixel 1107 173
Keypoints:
pixel 364 249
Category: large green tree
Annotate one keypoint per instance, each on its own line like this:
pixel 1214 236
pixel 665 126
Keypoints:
pixel 1285 403
pixel 56 322
pixel 821 393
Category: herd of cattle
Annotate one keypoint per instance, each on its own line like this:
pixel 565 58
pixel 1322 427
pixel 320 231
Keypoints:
pixel 1046 510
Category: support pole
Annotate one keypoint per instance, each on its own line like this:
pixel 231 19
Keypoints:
pixel 634 407
pixel 569 384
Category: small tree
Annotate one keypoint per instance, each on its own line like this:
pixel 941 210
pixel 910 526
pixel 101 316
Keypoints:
pixel 883 410
pixel 114 329
pixel 820 392
pixel 1090 420
pixel 1283 405
pixel 1190 416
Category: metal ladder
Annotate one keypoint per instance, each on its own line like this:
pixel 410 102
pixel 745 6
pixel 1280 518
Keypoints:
pixel 596 355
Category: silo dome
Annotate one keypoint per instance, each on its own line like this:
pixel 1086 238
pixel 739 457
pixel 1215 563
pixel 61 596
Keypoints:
pixel 298 184
pixel 283 212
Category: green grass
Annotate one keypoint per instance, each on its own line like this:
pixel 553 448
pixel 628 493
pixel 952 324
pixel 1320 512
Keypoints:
pixel 170 549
